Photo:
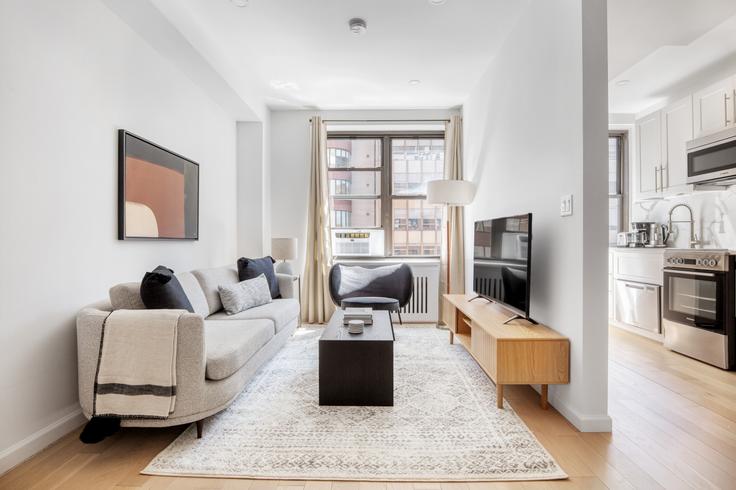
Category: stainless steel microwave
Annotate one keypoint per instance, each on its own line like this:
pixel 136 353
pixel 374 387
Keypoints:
pixel 712 159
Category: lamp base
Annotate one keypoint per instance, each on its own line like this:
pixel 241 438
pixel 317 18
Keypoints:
pixel 284 267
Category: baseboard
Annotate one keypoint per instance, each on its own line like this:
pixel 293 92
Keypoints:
pixel 584 423
pixel 24 449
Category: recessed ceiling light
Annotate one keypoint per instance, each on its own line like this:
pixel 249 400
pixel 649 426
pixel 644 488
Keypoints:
pixel 282 85
pixel 240 3
pixel 623 83
pixel 357 26
pixel 414 82
pixel 436 2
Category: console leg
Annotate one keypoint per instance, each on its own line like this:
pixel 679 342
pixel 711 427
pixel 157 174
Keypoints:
pixel 452 337
pixel 543 399
pixel 200 427
pixel 499 395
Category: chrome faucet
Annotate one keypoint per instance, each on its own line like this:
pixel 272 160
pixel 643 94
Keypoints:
pixel 693 237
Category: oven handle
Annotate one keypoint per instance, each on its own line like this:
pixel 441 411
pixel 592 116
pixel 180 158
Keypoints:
pixel 691 273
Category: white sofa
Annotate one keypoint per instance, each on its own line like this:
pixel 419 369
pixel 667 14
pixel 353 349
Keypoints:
pixel 217 354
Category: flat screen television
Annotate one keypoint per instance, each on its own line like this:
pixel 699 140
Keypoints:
pixel 502 251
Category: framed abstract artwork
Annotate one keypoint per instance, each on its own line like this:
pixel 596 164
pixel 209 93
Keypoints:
pixel 158 192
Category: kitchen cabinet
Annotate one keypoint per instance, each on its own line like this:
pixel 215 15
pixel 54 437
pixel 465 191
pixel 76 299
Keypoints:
pixel 677 130
pixel 639 265
pixel 649 156
pixel 713 107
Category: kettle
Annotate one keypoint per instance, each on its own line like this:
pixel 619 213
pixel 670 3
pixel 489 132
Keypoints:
pixel 658 235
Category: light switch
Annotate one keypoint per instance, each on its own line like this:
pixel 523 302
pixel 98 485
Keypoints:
pixel 566 205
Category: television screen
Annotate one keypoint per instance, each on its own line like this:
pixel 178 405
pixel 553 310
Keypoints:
pixel 502 258
pixel 158 191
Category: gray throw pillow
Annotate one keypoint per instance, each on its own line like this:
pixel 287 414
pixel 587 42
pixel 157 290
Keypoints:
pixel 245 295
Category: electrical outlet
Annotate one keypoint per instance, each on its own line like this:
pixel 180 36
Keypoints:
pixel 566 205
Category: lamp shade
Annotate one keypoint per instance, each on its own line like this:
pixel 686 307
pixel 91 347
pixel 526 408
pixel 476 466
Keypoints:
pixel 283 248
pixel 450 192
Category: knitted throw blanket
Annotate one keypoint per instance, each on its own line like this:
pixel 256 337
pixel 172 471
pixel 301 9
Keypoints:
pixel 136 369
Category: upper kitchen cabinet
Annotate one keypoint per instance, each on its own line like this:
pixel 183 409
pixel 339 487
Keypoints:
pixel 677 130
pixel 649 156
pixel 713 107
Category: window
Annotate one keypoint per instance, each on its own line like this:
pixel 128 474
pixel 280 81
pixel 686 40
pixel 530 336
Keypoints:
pixel 616 185
pixel 380 182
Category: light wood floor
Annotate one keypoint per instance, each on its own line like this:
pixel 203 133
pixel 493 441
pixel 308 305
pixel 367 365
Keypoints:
pixel 674 427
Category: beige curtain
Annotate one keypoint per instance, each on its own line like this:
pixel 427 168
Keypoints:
pixel 454 170
pixel 317 306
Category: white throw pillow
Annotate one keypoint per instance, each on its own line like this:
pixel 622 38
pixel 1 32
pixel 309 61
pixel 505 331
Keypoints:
pixel 245 295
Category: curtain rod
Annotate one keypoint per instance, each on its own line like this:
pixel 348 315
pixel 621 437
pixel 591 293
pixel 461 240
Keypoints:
pixel 383 120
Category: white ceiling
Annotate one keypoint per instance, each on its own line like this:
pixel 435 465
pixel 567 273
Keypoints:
pixel 301 54
pixel 659 45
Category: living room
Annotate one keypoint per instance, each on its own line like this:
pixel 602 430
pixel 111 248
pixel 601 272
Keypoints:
pixel 272 243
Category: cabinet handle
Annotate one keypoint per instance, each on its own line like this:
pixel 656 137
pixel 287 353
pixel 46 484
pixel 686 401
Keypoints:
pixel 661 176
pixel 656 186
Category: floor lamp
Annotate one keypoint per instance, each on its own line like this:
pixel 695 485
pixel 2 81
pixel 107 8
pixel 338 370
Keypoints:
pixel 451 193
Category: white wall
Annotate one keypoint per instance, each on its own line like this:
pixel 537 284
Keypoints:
pixel 535 129
pixel 72 74
pixel 290 165
pixel 254 189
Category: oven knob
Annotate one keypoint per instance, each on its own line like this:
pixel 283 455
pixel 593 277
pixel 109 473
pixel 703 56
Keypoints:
pixel 699 262
pixel 712 262
pixel 678 260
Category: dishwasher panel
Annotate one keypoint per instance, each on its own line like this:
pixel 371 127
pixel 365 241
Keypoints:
pixel 639 305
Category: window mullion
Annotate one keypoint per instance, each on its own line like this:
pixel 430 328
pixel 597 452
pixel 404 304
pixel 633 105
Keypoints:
pixel 386 204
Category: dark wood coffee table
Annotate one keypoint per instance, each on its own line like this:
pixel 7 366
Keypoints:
pixel 357 369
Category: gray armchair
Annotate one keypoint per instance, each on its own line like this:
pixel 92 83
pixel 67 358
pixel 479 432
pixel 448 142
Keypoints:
pixel 381 288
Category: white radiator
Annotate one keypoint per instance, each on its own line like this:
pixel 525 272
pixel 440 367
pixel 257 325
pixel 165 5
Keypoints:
pixel 423 306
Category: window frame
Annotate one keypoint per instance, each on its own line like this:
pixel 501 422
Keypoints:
pixel 623 174
pixel 386 171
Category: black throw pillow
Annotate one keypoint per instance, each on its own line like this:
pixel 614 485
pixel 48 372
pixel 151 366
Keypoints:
pixel 252 268
pixel 161 290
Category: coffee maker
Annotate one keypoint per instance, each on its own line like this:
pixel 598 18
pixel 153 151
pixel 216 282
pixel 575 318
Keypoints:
pixel 639 234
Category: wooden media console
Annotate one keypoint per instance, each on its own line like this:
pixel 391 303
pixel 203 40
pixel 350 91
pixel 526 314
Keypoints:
pixel 511 354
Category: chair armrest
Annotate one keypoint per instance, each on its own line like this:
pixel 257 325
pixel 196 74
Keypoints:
pixel 287 285
pixel 190 357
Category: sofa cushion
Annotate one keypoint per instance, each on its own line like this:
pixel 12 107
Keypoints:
pixel 210 279
pixel 245 295
pixel 127 296
pixel 194 292
pixel 229 344
pixel 160 289
pixel 280 311
pixel 252 268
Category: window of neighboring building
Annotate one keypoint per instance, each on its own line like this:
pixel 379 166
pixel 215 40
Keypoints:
pixel 617 211
pixel 380 181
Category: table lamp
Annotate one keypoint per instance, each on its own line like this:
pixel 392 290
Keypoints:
pixel 284 249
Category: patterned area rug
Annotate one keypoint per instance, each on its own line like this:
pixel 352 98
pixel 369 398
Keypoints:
pixel 444 425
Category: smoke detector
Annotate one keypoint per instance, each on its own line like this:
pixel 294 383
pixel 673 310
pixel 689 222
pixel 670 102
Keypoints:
pixel 240 3
pixel 358 26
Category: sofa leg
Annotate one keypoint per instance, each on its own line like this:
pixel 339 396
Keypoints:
pixel 200 427
pixel 400 322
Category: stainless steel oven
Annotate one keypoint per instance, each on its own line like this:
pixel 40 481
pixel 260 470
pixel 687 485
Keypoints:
pixel 698 305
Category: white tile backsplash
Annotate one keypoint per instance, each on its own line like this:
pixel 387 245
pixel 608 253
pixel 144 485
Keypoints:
pixel 714 213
